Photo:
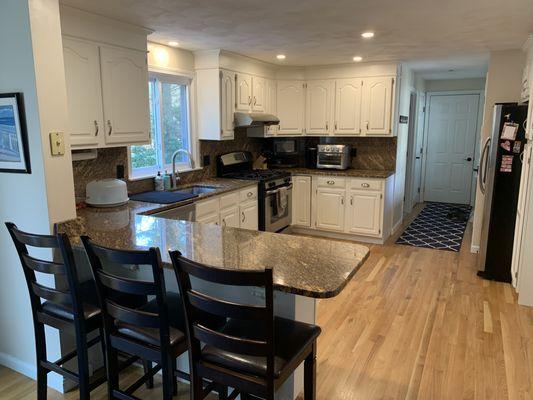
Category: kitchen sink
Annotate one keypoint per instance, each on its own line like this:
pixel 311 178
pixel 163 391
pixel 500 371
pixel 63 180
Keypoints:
pixel 197 189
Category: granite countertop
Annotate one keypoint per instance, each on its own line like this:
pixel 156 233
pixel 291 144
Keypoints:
pixel 351 172
pixel 306 266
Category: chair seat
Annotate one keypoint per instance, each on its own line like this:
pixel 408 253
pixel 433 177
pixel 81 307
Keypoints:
pixel 290 338
pixel 64 311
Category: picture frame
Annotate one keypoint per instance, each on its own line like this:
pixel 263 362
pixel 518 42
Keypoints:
pixel 14 151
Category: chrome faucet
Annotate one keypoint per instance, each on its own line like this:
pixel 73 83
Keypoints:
pixel 175 172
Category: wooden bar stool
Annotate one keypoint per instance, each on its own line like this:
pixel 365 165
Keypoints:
pixel 253 352
pixel 63 309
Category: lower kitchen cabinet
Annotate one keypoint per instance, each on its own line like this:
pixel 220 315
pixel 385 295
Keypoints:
pixel 249 216
pixel 230 217
pixel 301 200
pixel 364 211
pixel 209 219
pixel 330 209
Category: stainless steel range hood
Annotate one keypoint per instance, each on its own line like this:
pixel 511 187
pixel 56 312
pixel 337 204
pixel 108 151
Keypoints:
pixel 252 120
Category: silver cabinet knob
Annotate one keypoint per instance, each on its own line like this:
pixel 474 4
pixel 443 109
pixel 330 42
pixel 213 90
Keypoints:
pixel 365 185
pixel 96 128
pixel 330 182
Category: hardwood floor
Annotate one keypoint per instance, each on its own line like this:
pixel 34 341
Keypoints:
pixel 413 324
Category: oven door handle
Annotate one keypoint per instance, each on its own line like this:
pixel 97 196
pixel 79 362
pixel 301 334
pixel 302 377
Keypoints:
pixel 270 192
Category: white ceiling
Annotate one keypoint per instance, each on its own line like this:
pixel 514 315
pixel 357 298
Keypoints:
pixel 312 32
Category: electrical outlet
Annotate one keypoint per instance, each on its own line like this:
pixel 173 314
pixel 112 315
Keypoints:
pixel 207 160
pixel 57 143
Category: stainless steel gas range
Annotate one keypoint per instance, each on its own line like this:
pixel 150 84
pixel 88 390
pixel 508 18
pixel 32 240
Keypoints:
pixel 274 188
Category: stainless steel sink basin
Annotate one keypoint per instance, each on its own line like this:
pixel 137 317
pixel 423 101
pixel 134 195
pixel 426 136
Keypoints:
pixel 197 189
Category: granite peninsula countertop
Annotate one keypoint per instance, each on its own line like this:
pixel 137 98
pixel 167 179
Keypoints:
pixel 350 172
pixel 306 266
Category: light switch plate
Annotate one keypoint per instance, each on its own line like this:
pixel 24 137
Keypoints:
pixel 57 143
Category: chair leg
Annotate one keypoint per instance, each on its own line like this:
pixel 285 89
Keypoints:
pixel 168 378
pixel 196 387
pixel 83 370
pixel 310 375
pixel 147 366
pixel 112 372
pixel 222 392
pixel 174 378
pixel 42 373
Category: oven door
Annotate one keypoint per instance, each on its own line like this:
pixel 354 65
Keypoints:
pixel 278 209
pixel 330 160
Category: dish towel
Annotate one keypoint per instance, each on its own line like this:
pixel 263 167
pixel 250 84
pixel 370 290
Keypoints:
pixel 283 200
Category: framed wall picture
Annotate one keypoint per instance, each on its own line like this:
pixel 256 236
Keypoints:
pixel 14 151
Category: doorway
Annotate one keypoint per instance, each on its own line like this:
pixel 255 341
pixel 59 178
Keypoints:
pixel 451 129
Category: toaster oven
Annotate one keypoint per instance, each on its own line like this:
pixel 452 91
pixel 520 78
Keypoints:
pixel 333 156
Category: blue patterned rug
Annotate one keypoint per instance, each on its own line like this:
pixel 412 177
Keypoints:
pixel 434 229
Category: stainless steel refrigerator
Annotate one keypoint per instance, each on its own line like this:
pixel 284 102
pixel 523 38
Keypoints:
pixel 499 181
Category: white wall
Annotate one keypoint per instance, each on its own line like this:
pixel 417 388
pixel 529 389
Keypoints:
pixel 33 201
pixel 504 79
pixel 444 85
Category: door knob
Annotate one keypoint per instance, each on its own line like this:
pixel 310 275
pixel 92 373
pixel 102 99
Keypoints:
pixel 468 158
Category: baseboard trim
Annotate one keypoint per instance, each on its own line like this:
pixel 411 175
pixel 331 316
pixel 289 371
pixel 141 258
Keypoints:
pixel 396 227
pixel 55 381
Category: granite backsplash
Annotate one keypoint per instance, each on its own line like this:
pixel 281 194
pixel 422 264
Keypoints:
pixel 372 153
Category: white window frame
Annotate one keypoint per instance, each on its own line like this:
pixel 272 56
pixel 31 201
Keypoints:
pixel 148 172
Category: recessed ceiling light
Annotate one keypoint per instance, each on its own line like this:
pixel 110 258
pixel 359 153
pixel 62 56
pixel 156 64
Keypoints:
pixel 280 56
pixel 173 44
pixel 358 58
pixel 367 35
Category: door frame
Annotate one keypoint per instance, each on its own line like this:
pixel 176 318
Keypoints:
pixel 411 151
pixel 475 158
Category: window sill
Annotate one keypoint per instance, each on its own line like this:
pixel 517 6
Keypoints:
pixel 151 175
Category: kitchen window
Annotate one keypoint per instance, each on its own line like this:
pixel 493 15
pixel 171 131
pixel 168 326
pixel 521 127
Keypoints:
pixel 170 127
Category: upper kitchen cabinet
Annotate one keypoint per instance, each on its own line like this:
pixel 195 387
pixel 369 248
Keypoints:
pixel 348 107
pixel 290 107
pixel 227 103
pixel 84 93
pixel 107 94
pixel 376 106
pixel 320 104
pixel 271 105
pixel 250 92
pixel 125 95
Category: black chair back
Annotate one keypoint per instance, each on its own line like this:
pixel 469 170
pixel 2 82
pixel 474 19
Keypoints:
pixel 69 296
pixel 111 288
pixel 198 305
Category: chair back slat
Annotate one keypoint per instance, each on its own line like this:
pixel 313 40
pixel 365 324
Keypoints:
pixel 232 344
pixel 227 309
pixel 130 257
pixel 52 295
pixel 126 285
pixel 34 240
pixel 131 316
pixel 224 276
pixel 43 266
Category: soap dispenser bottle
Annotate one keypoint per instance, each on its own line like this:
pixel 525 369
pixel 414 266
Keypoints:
pixel 159 183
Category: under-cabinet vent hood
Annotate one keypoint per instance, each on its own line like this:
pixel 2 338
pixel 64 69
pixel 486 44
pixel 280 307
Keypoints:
pixel 250 120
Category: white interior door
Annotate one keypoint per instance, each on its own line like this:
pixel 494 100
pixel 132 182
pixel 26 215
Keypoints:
pixel 452 126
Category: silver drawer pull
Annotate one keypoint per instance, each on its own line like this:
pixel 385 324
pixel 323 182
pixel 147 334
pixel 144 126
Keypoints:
pixel 243 216
pixel 365 185
pixel 330 182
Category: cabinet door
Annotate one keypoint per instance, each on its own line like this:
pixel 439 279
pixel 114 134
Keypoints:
pixel 330 209
pixel 243 92
pixel 290 107
pixel 301 201
pixel 319 107
pixel 258 94
pixel 364 212
pixel 230 217
pixel 227 103
pixel 249 215
pixel 348 107
pixel 529 126
pixel 376 106
pixel 208 219
pixel 270 108
pixel 125 94
pixel 84 93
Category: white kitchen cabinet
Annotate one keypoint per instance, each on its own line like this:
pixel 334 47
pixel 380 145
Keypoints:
pixel 348 107
pixel 271 105
pixel 107 94
pixel 208 211
pixel 84 93
pixel 376 106
pixel 243 92
pixel 363 212
pixel 230 216
pixel 213 219
pixel 320 104
pixel 258 94
pixel 330 209
pixel 249 215
pixel 290 108
pixel 301 200
pixel 227 104
pixel 125 94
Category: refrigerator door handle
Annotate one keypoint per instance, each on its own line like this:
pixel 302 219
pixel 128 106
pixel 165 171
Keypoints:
pixel 483 165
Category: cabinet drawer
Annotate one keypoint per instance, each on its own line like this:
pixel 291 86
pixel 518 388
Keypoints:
pixel 249 193
pixel 331 181
pixel 366 184
pixel 209 206
pixel 229 200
